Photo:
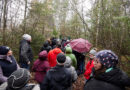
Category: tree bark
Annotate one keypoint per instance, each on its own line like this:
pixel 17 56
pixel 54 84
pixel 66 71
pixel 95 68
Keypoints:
pixel 4 20
pixel 25 14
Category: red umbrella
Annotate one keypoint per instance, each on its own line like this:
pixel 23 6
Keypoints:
pixel 80 45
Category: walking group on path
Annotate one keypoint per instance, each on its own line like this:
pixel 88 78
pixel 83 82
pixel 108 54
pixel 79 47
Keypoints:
pixel 58 66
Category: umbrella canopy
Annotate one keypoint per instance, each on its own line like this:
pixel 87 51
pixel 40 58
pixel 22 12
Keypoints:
pixel 80 45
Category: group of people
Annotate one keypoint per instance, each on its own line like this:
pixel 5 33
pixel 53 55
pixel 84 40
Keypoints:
pixel 58 67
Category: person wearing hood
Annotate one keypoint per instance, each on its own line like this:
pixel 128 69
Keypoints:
pixel 41 66
pixel 70 68
pixel 46 46
pixel 18 80
pixel 89 64
pixel 52 56
pixel 25 52
pixel 58 77
pixel 106 75
pixel 8 63
pixel 68 52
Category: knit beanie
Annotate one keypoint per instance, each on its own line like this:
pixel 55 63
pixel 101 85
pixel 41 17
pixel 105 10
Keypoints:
pixel 4 50
pixel 26 37
pixel 107 58
pixel 93 52
pixel 18 78
pixel 61 58
pixel 43 55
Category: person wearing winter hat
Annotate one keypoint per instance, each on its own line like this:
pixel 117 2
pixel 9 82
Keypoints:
pixel 25 52
pixel 106 75
pixel 58 77
pixel 89 64
pixel 41 66
pixel 8 63
pixel 27 37
pixel 68 65
pixel 18 80
pixel 52 55
pixel 68 52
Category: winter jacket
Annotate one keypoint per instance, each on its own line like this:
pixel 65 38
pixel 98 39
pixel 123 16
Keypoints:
pixel 80 62
pixel 52 55
pixel 8 65
pixel 57 78
pixel 40 67
pixel 53 43
pixel 4 86
pixel 113 80
pixel 25 52
pixel 88 70
pixel 70 68
pixel 72 56
pixel 46 46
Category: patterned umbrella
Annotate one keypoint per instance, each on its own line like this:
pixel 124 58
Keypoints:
pixel 80 45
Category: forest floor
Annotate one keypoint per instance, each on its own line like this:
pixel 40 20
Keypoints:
pixel 78 85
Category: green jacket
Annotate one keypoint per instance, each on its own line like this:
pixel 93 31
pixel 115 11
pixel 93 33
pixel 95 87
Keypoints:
pixel 68 52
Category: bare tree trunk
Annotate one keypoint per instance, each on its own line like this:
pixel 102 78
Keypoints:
pixel 25 13
pixel 1 13
pixel 4 20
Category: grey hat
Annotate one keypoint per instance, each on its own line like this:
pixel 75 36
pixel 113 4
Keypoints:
pixel 93 52
pixel 26 37
pixel 18 78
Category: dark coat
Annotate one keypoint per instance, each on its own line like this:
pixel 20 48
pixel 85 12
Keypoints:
pixel 57 78
pixel 113 80
pixel 46 46
pixel 25 52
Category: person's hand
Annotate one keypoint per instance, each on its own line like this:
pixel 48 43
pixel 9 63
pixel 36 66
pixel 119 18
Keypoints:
pixel 28 62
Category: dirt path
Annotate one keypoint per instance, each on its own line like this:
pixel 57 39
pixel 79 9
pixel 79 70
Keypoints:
pixel 79 84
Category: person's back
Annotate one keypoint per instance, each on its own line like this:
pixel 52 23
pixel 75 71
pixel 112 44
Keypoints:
pixel 72 56
pixel 46 46
pixel 41 66
pixel 70 68
pixel 57 78
pixel 52 56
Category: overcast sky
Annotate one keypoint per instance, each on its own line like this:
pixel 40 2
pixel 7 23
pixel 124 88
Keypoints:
pixel 17 6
